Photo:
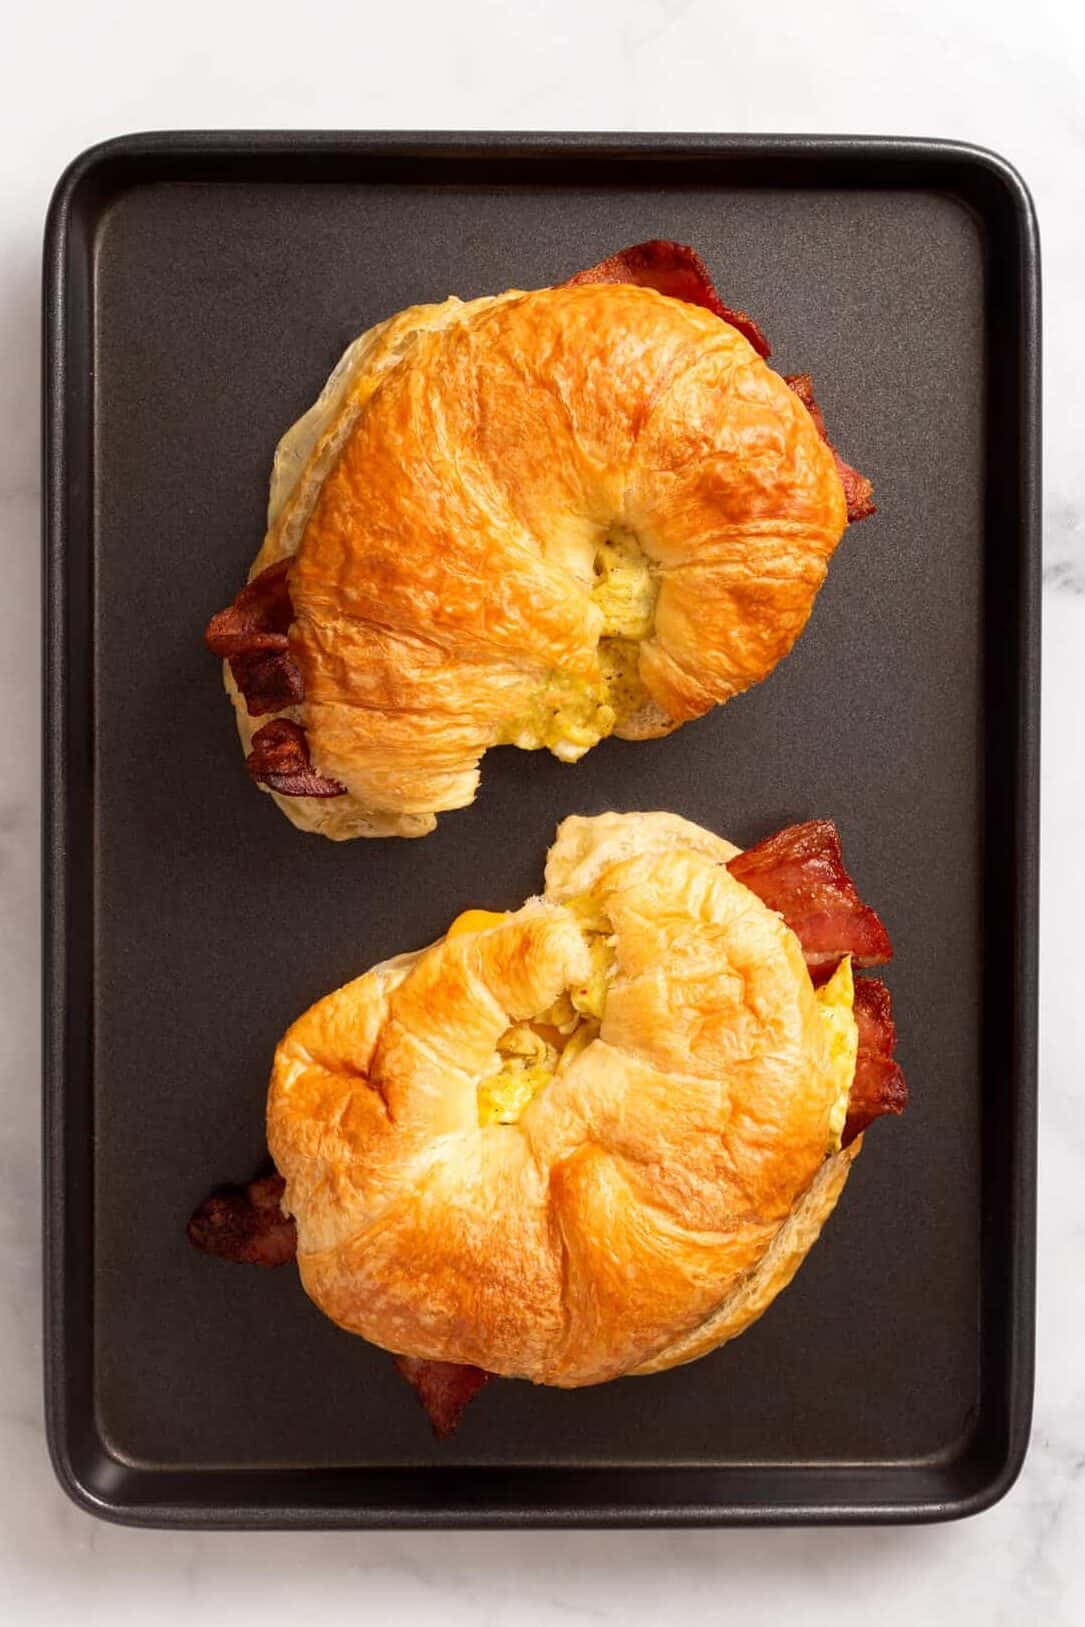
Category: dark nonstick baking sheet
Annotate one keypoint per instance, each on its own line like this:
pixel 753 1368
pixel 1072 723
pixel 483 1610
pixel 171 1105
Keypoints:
pixel 198 290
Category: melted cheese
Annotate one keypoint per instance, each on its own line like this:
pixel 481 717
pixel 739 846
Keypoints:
pixel 474 921
pixel 836 999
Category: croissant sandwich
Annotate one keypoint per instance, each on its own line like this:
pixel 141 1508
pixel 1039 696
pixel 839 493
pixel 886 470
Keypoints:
pixel 533 519
pixel 597 1135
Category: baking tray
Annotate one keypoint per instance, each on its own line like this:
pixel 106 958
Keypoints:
pixel 198 289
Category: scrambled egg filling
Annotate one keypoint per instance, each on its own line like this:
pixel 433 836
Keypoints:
pixel 528 1061
pixel 836 999
pixel 625 589
pixel 529 1054
pixel 570 715
pixel 619 663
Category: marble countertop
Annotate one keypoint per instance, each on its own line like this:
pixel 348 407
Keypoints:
pixel 970 69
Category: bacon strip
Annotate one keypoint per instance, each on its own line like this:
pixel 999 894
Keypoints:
pixel 444 1388
pixel 246 1225
pixel 267 678
pixel 262 606
pixel 251 634
pixel 677 270
pixel 878 1086
pixel 280 760
pixel 858 491
pixel 800 873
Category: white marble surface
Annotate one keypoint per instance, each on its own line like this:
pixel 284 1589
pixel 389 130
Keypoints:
pixel 1004 75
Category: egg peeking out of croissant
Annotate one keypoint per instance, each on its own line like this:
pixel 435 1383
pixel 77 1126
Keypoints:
pixel 532 519
pixel 596 1135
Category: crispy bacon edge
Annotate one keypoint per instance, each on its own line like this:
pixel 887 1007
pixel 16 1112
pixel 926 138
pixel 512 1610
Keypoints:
pixel 251 634
pixel 246 1224
pixel 444 1388
pixel 280 760
pixel 800 873
pixel 879 1086
pixel 677 270
pixel 858 491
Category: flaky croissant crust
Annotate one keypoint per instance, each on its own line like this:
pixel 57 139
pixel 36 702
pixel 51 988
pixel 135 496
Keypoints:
pixel 648 1203
pixel 453 507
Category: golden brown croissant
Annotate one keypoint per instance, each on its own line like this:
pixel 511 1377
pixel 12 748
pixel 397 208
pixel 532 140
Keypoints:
pixel 598 1135
pixel 533 519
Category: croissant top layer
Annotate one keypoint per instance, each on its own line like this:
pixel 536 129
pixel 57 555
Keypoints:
pixel 533 519
pixel 591 1137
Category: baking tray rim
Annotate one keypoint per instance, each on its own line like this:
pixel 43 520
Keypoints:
pixel 76 1452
